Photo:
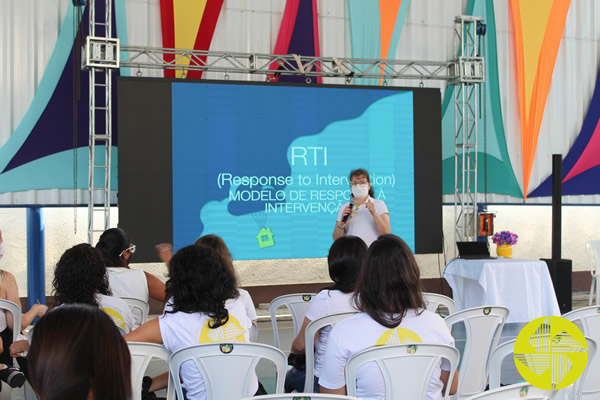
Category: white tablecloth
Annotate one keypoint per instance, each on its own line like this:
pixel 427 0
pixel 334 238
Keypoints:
pixel 524 286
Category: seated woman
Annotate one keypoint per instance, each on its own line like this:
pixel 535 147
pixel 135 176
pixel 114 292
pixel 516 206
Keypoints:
pixel 77 353
pixel 215 242
pixel 203 306
pixel 390 296
pixel 345 258
pixel 10 291
pixel 117 250
pixel 80 277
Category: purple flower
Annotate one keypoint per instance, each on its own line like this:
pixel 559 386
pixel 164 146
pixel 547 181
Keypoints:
pixel 505 237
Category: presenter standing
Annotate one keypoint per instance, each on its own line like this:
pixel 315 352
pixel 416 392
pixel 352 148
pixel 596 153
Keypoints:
pixel 363 216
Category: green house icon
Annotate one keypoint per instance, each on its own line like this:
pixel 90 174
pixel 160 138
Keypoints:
pixel 265 238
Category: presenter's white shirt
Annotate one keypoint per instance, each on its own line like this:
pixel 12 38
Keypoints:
pixel 359 332
pixel 181 330
pixel 118 310
pixel 327 302
pixel 125 282
pixel 361 223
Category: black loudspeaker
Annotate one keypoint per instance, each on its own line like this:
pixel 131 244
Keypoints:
pixel 561 275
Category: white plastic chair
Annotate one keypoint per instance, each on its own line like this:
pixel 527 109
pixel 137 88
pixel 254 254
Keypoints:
pixel 309 344
pixel 590 322
pixel 302 396
pixel 483 326
pixel 15 310
pixel 593 251
pixel 434 300
pixel 496 359
pixel 297 304
pixel 139 308
pixel 227 367
pixel 141 355
pixel 406 368
pixel 517 391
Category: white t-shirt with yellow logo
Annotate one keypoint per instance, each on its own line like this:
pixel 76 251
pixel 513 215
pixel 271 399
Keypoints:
pixel 359 332
pixel 181 330
pixel 118 310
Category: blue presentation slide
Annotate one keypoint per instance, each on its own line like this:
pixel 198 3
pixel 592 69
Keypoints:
pixel 266 166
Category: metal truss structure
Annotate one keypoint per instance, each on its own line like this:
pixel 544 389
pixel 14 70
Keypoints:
pixel 471 72
pixel 466 72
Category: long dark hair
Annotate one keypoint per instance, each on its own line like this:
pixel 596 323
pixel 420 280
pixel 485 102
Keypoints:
pixel 216 243
pixel 200 281
pixel 359 172
pixel 79 275
pixel 77 349
pixel 111 243
pixel 390 282
pixel 346 256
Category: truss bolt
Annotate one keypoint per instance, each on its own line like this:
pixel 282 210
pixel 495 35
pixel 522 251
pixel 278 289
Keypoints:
pixel 308 80
pixel 226 76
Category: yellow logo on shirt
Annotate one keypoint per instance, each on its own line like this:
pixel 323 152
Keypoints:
pixel 232 331
pixel 116 317
pixel 551 353
pixel 397 336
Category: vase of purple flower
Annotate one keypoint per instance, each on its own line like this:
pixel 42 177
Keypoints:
pixel 504 241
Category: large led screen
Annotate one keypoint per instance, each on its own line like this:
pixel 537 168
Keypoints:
pixel 265 166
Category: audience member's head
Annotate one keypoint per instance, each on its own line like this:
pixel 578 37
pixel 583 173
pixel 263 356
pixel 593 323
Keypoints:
pixel 346 256
pixel 389 283
pixel 116 247
pixel 79 275
pixel 200 280
pixel 217 243
pixel 78 353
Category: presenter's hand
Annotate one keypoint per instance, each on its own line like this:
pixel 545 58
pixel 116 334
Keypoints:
pixel 371 207
pixel 348 210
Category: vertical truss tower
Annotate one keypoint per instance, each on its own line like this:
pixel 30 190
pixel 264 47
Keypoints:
pixel 101 56
pixel 469 75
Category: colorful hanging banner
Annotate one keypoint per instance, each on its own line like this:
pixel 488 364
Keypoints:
pixel 188 24
pixel 375 28
pixel 298 34
pixel 495 173
pixel 581 166
pixel 538 26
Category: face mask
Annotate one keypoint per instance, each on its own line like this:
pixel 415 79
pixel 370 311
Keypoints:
pixel 1 249
pixel 360 191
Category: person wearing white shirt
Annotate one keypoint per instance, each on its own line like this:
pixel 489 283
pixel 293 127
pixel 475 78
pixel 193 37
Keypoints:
pixel 390 297
pixel 344 261
pixel 363 216
pixel 203 306
pixel 81 277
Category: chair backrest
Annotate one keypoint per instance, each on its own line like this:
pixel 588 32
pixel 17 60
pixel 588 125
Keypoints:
pixel 139 308
pixel 227 368
pixel 590 322
pixel 309 345
pixel 406 368
pixel 302 396
pixel 517 391
pixel 496 359
pixel 593 250
pixel 297 304
pixel 253 332
pixel 434 300
pixel 15 310
pixel 483 327
pixel 141 355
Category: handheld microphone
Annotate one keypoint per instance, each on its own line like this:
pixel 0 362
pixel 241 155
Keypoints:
pixel 345 218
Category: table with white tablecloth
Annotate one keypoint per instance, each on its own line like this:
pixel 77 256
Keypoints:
pixel 523 286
